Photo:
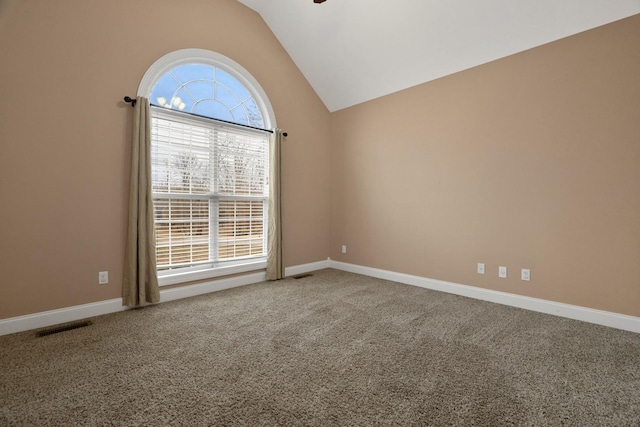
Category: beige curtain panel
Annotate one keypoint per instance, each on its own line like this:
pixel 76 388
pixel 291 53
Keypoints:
pixel 140 281
pixel 275 263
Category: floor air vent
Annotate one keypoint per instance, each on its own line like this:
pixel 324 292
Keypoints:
pixel 302 276
pixel 63 328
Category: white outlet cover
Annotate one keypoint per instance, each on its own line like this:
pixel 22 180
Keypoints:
pixel 103 277
pixel 525 274
pixel 344 249
pixel 502 272
pixel 480 268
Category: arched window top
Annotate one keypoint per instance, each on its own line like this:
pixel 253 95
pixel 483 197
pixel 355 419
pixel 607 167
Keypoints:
pixel 208 84
pixel 208 91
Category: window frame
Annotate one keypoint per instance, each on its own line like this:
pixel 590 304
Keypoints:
pixel 201 56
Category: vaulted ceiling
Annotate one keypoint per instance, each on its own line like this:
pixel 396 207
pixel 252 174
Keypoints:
pixel 352 51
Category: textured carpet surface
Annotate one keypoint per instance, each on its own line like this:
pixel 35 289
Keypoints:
pixel 331 349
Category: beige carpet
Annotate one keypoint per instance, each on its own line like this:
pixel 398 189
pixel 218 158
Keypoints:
pixel 331 349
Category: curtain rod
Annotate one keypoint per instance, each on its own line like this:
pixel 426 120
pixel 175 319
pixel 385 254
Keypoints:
pixel 133 101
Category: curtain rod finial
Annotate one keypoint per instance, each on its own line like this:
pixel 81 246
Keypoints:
pixel 130 100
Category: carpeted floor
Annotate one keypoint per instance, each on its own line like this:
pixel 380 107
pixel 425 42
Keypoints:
pixel 332 349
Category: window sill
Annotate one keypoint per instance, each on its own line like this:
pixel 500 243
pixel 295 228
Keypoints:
pixel 177 278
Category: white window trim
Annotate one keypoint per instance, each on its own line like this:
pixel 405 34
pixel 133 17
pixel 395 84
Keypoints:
pixel 189 56
pixel 191 276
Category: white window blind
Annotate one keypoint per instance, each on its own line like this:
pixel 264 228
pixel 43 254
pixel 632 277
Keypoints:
pixel 210 191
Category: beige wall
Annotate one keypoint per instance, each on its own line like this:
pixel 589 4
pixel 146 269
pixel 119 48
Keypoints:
pixel 64 135
pixel 529 162
pixel 532 161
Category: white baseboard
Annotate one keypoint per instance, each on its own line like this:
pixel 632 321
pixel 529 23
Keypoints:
pixel 62 315
pixel 598 317
pixel 306 268
pixel 211 286
pixel 71 314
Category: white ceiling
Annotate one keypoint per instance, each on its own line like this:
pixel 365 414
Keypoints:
pixel 352 51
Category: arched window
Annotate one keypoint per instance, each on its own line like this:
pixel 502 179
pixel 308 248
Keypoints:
pixel 210 165
pixel 209 91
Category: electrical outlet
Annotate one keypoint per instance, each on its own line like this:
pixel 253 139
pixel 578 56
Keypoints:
pixel 103 278
pixel 502 272
pixel 344 249
pixel 480 268
pixel 525 274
